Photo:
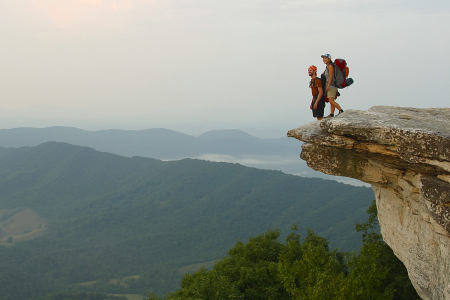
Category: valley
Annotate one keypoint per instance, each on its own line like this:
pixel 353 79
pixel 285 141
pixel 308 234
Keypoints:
pixel 131 225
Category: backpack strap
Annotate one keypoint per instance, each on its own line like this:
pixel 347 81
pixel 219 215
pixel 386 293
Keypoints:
pixel 333 81
pixel 311 82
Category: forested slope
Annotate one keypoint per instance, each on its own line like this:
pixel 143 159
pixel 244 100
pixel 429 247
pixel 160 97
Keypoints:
pixel 111 216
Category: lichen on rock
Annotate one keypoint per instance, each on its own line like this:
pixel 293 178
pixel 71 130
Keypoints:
pixel 404 153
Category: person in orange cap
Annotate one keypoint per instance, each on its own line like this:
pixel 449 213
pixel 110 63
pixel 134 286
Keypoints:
pixel 318 102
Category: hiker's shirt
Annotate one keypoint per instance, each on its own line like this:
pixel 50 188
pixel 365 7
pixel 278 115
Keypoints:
pixel 327 76
pixel 315 84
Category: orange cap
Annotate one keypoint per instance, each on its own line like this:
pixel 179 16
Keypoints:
pixel 314 68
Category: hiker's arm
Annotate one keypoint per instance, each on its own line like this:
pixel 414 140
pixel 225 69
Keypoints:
pixel 331 72
pixel 318 96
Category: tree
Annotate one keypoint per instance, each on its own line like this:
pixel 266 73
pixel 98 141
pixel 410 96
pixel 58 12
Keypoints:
pixel 250 271
pixel 310 270
pixel 397 276
pixel 307 269
pixel 10 239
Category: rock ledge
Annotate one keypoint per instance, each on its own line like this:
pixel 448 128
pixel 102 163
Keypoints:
pixel 404 153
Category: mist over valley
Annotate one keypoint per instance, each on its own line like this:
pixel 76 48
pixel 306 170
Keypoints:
pixel 231 145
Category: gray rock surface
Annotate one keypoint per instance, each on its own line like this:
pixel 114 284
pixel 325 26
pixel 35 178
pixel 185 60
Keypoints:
pixel 404 153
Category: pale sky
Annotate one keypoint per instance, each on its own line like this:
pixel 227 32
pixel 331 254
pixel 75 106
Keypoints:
pixel 194 65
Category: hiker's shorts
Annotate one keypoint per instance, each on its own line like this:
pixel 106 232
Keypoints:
pixel 318 113
pixel 332 92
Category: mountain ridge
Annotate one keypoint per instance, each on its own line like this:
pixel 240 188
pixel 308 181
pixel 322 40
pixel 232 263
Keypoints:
pixel 157 143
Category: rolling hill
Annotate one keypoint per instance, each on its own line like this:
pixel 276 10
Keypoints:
pixel 105 217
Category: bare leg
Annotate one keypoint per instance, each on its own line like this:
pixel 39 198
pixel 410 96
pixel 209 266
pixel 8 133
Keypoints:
pixel 334 105
pixel 332 108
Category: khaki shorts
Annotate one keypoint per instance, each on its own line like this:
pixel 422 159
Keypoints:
pixel 332 92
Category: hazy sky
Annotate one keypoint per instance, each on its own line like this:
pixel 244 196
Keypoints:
pixel 212 63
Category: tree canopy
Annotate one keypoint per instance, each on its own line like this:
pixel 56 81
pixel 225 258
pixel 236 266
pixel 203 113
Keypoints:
pixel 304 269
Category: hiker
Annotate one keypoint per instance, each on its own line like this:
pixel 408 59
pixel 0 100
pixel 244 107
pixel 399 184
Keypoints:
pixel 318 102
pixel 331 89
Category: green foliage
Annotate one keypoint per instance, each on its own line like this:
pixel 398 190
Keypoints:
pixel 315 272
pixel 10 240
pixel 396 278
pixel 206 285
pixel 252 267
pixel 264 268
pixel 248 272
pixel 309 270
pixel 16 284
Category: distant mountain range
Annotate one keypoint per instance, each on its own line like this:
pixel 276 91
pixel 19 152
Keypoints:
pixel 82 219
pixel 156 143
pixel 233 146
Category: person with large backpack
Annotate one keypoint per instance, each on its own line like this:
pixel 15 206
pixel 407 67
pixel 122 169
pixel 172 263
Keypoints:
pixel 331 85
pixel 318 96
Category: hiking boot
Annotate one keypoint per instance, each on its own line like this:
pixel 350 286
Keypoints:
pixel 329 116
pixel 340 112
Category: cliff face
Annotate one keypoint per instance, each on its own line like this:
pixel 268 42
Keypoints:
pixel 404 153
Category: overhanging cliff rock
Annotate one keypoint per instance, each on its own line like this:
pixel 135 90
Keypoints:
pixel 404 153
